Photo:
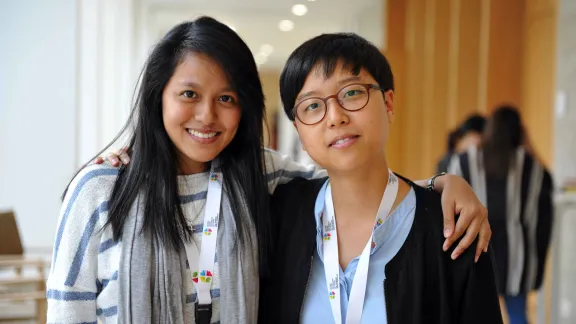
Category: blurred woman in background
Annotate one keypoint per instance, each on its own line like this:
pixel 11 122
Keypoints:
pixel 517 190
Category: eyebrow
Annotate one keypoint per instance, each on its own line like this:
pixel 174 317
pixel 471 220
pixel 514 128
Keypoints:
pixel 339 83
pixel 192 84
pixel 347 80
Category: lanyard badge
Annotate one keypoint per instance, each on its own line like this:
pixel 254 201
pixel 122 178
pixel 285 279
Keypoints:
pixel 331 259
pixel 202 263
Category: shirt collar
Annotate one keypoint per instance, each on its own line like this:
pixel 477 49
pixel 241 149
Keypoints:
pixel 382 233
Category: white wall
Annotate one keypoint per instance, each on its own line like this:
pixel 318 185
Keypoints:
pixel 37 111
pixel 67 74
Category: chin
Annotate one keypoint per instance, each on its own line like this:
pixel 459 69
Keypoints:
pixel 197 159
pixel 202 158
pixel 345 164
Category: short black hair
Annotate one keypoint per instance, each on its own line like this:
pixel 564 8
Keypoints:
pixel 350 49
pixel 474 123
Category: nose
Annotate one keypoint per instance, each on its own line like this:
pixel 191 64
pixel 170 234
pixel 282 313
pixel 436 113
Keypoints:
pixel 206 112
pixel 335 114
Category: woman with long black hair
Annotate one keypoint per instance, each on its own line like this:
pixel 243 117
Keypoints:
pixel 517 190
pixel 180 234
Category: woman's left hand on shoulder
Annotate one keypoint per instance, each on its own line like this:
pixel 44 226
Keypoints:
pixel 459 198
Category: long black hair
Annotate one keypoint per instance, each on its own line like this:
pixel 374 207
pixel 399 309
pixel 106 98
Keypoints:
pixel 152 172
pixel 502 137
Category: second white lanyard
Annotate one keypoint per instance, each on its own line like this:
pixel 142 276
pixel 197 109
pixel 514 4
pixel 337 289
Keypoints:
pixel 331 258
pixel 202 263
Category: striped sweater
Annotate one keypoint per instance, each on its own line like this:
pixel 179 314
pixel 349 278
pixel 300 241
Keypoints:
pixel 82 285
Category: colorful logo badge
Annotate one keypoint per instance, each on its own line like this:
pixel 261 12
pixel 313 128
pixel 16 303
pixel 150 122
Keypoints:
pixel 378 223
pixel 205 276
pixel 213 177
pixel 207 231
pixel 332 295
pixel 327 236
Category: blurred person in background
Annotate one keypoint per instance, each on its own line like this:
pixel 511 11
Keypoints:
pixel 453 139
pixel 517 190
pixel 470 133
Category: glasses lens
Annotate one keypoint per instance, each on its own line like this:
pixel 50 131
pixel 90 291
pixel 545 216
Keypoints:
pixel 353 97
pixel 311 111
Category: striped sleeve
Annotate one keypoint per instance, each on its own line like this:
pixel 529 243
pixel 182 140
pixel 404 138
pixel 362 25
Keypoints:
pixel 72 286
pixel 282 169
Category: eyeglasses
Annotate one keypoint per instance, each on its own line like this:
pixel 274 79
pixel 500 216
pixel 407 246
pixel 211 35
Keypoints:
pixel 352 97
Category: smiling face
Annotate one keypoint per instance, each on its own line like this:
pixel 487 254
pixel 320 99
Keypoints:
pixel 345 140
pixel 200 112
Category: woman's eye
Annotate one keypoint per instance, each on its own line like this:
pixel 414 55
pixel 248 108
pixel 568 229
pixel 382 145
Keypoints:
pixel 351 93
pixel 312 106
pixel 228 99
pixel 189 94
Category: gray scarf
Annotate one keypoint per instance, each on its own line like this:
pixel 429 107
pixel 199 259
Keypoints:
pixel 152 276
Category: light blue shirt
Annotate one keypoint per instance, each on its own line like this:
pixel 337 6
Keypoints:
pixel 389 238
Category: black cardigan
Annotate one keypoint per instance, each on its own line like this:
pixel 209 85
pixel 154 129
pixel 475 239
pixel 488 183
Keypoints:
pixel 423 284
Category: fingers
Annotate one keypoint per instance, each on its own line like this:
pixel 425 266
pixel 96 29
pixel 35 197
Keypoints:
pixel 465 220
pixel 468 239
pixel 124 157
pixel 99 160
pixel 113 159
pixel 478 227
pixel 448 212
pixel 485 236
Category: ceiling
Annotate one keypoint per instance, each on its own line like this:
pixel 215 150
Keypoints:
pixel 256 21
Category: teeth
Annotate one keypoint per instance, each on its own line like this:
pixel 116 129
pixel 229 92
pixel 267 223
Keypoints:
pixel 342 141
pixel 202 135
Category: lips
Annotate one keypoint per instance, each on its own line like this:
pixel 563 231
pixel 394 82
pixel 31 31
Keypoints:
pixel 202 133
pixel 340 140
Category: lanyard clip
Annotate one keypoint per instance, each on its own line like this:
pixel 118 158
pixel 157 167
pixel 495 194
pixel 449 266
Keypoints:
pixel 203 313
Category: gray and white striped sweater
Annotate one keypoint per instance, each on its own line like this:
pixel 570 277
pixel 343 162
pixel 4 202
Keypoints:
pixel 82 285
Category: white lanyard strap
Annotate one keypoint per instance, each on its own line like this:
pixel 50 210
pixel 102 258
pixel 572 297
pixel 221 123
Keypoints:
pixel 331 260
pixel 203 265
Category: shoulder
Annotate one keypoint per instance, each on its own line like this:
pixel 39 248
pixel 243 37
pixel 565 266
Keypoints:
pixel 274 160
pixel 533 160
pixel 427 202
pixel 429 209
pixel 295 198
pixel 301 188
pixel 92 181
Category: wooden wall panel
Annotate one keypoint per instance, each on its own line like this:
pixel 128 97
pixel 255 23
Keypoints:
pixel 505 58
pixel 396 55
pixel 452 58
pixel 539 80
pixel 436 105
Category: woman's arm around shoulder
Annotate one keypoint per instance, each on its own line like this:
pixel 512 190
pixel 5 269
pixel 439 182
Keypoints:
pixel 281 169
pixel 72 285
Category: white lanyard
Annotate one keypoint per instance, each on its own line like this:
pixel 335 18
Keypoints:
pixel 331 260
pixel 203 265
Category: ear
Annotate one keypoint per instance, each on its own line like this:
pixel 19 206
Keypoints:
pixel 389 102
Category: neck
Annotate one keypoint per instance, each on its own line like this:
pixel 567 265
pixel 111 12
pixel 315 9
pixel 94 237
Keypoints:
pixel 188 167
pixel 358 193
